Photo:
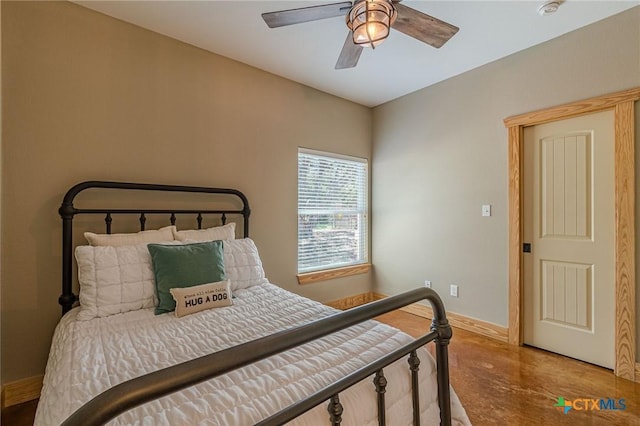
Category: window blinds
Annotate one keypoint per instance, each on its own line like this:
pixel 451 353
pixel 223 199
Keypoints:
pixel 332 211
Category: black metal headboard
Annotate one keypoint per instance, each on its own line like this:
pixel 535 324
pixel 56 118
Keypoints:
pixel 68 211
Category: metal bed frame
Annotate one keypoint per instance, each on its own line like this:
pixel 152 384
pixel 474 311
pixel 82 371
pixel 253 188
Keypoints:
pixel 140 390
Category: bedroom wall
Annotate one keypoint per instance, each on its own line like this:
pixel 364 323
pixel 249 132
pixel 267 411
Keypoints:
pixel 445 148
pixel 90 97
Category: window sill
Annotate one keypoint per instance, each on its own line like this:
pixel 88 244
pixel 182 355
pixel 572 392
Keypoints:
pixel 329 274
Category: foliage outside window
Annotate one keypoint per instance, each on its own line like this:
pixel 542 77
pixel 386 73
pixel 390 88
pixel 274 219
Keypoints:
pixel 332 211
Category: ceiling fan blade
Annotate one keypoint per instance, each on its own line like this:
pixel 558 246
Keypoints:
pixel 423 27
pixel 305 14
pixel 349 55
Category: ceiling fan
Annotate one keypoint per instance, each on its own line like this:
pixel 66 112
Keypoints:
pixel 369 22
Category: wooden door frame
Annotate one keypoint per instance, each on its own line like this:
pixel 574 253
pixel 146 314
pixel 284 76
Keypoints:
pixel 624 162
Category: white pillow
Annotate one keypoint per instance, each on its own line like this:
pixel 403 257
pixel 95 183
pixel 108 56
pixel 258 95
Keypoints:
pixel 115 279
pixel 152 236
pixel 242 264
pixel 190 300
pixel 224 232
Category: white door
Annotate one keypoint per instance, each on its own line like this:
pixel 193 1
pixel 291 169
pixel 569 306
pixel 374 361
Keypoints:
pixel 568 218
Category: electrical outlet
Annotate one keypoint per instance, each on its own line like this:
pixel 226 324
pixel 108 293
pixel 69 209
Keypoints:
pixel 453 290
pixel 427 283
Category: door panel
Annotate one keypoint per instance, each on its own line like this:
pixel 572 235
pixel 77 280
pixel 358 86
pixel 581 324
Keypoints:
pixel 566 186
pixel 567 293
pixel 568 217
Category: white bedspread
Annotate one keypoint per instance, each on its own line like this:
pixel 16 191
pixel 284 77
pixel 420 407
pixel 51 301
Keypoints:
pixel 88 357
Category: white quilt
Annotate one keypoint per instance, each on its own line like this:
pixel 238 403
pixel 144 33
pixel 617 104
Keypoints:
pixel 88 357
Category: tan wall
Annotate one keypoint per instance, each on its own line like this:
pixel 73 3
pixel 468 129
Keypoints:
pixel 440 153
pixel 90 97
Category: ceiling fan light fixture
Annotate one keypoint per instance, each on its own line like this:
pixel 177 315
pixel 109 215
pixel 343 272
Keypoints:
pixel 370 21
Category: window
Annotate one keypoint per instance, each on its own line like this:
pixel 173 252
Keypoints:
pixel 332 211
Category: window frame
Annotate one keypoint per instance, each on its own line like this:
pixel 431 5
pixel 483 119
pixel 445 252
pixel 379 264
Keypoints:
pixel 361 266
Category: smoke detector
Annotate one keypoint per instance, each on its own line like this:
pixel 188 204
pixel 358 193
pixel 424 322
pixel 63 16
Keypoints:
pixel 549 7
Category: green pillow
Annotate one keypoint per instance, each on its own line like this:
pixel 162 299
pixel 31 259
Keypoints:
pixel 184 266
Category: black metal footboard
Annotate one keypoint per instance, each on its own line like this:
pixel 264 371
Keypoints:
pixel 132 393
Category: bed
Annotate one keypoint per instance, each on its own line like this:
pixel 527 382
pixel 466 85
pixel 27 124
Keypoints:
pixel 264 356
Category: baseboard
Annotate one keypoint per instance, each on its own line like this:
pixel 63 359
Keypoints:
pixel 351 301
pixel 473 325
pixel 20 391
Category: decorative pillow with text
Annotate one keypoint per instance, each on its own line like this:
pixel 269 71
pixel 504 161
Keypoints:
pixel 190 300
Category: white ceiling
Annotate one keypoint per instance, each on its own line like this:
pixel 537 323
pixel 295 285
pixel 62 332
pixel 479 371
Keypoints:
pixel 307 52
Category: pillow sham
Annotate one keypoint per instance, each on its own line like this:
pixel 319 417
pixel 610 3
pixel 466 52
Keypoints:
pixel 151 236
pixel 198 298
pixel 184 266
pixel 114 280
pixel 224 232
pixel 242 263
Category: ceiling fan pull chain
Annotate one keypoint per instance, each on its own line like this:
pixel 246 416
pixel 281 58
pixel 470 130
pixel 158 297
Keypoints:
pixel 368 26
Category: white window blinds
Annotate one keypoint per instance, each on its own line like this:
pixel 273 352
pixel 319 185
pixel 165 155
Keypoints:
pixel 332 211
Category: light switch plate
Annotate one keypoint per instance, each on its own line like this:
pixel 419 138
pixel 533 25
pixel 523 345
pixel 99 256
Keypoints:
pixel 486 210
